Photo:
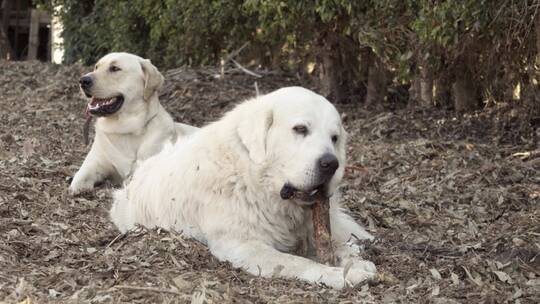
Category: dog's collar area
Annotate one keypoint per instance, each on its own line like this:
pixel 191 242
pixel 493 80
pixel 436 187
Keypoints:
pixel 105 106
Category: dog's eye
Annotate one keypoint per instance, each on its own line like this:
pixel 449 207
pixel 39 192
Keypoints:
pixel 334 138
pixel 114 68
pixel 300 129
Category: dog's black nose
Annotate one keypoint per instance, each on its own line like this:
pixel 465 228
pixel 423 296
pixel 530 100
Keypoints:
pixel 85 82
pixel 328 164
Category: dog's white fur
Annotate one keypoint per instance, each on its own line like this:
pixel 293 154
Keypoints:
pixel 222 185
pixel 137 131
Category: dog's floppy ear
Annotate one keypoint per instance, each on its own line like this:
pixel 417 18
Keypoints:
pixel 153 80
pixel 253 130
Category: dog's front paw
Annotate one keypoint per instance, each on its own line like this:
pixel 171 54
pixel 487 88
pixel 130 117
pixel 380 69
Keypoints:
pixel 359 264
pixel 339 278
pixel 77 187
pixel 357 275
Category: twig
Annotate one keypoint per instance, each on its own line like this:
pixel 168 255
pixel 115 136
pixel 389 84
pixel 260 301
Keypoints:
pixel 235 53
pixel 469 275
pixel 175 262
pixel 120 236
pixel 223 61
pixel 152 289
pixel 354 168
pixel 245 70
pixel 222 69
pixel 18 221
pixel 256 89
pixel 526 155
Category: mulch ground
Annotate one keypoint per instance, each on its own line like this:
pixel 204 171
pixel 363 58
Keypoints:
pixel 455 210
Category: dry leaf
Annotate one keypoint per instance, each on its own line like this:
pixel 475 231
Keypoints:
pixel 182 284
pixel 435 273
pixel 28 148
pixel 503 276
pixel 435 291
pixel 26 301
pixel 517 294
pixel 477 281
pixel 455 278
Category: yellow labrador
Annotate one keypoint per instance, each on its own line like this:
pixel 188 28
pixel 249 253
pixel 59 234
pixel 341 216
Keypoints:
pixel 131 123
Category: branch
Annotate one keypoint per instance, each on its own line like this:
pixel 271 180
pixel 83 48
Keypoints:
pixel 245 70
pixel 235 53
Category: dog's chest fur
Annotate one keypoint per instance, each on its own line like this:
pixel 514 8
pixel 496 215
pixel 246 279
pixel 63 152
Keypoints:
pixel 262 215
pixel 283 223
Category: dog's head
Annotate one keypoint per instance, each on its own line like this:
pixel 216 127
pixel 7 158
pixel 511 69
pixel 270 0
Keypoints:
pixel 119 79
pixel 297 136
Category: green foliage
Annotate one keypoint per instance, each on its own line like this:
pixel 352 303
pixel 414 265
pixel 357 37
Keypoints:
pixel 488 37
pixel 169 32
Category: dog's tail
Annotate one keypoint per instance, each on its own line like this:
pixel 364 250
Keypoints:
pixel 122 211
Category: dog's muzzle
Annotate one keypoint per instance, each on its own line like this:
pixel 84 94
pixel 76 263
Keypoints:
pixel 327 166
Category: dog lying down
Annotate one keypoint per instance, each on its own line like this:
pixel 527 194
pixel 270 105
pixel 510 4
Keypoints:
pixel 244 185
pixel 131 123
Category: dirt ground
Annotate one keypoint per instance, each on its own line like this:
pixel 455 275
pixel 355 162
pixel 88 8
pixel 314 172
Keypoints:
pixel 456 214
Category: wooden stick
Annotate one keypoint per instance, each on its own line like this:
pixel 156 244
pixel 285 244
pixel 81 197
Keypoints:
pixel 321 231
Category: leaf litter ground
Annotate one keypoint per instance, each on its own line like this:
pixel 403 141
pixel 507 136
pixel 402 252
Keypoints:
pixel 456 215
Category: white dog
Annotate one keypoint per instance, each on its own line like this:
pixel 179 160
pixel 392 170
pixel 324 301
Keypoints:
pixel 244 185
pixel 131 125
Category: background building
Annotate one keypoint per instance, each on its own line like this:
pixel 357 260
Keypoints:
pixel 28 33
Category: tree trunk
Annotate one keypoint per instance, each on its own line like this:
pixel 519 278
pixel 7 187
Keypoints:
pixel 330 76
pixel 338 73
pixel 426 87
pixel 442 91
pixel 377 83
pixel 464 91
pixel 414 89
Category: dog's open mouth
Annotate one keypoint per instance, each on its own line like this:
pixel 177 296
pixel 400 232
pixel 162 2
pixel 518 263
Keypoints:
pixel 105 106
pixel 288 192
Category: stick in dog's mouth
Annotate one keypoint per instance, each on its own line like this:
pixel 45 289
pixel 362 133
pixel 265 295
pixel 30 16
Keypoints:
pixel 322 233
pixel 105 106
pixel 288 192
pixel 320 216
